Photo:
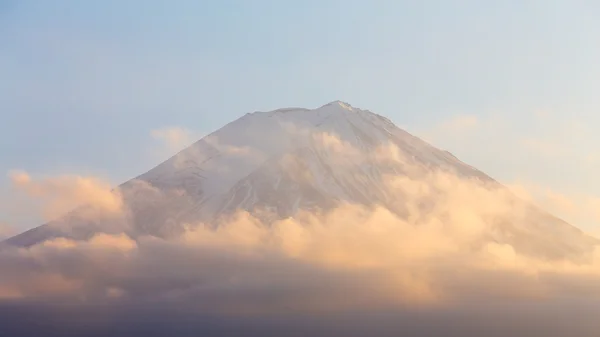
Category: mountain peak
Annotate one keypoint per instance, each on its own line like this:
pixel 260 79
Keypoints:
pixel 330 107
pixel 341 104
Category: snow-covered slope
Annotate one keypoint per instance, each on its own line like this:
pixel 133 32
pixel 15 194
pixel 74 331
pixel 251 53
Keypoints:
pixel 285 159
pixel 276 163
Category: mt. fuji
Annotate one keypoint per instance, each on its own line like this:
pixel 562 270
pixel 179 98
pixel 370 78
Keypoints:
pixel 278 164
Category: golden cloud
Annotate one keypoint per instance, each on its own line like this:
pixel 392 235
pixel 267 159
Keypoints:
pixel 63 193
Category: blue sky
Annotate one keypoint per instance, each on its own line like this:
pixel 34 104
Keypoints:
pixel 508 86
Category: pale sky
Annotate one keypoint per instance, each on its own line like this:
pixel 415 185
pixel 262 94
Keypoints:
pixel 92 87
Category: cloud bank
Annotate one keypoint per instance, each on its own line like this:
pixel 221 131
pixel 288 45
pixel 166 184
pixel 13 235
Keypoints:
pixel 445 262
pixel 351 260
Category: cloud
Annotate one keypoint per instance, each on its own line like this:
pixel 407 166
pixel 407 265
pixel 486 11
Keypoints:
pixel 221 156
pixel 230 149
pixel 352 259
pixel 171 140
pixel 174 138
pixel 352 255
pixel 61 194
pixel 6 231
pixel 580 209
pixel 456 245
pixel 540 148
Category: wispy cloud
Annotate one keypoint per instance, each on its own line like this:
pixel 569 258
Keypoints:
pixel 6 231
pixel 230 149
pixel 531 150
pixel 580 209
pixel 60 194
pixel 175 138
